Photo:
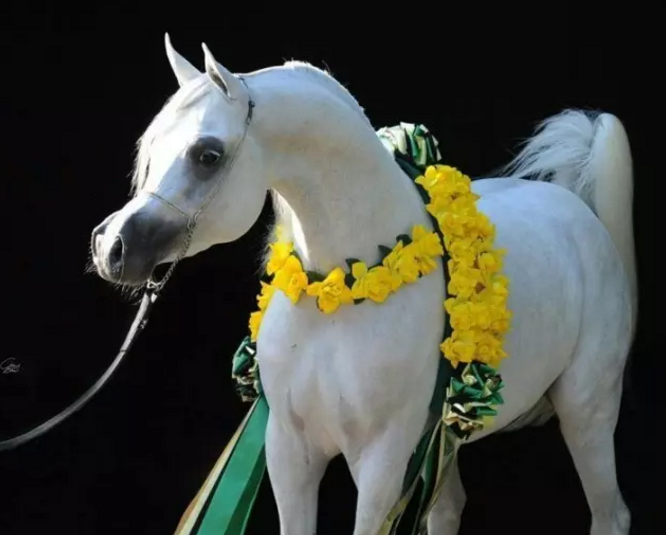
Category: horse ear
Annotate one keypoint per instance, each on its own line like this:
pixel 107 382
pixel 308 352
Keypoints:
pixel 182 68
pixel 221 77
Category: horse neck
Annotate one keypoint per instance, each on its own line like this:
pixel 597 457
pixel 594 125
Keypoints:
pixel 339 192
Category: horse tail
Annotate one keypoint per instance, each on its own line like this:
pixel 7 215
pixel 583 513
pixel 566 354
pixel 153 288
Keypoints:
pixel 588 154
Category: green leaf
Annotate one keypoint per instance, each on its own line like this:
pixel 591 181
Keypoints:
pixel 351 261
pixel 409 169
pixel 313 276
pixel 384 252
pixel 349 280
pixel 405 238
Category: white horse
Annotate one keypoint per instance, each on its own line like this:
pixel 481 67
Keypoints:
pixel 358 382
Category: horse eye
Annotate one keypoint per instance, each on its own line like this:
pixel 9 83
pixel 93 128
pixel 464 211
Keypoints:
pixel 209 158
pixel 206 154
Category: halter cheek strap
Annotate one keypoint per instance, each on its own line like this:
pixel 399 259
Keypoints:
pixel 156 286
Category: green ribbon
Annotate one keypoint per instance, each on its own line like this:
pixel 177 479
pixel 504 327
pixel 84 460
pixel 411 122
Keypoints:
pixel 245 371
pixel 472 398
pixel 231 504
pixel 225 501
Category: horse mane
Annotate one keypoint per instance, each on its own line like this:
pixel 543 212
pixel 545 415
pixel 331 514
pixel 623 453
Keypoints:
pixel 326 79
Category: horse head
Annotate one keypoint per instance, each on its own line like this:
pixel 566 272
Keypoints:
pixel 197 181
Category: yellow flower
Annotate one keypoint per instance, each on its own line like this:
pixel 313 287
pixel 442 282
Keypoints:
pixel 264 298
pixel 486 347
pixel 429 179
pixel 500 285
pixel 424 263
pixel 457 218
pixel 465 314
pixel 501 326
pixel 464 280
pixel 497 292
pixel 402 266
pixel 424 248
pixel 291 279
pixel 444 181
pixel 463 252
pixel 255 323
pixel 489 349
pixel 459 347
pixel 331 292
pixel 375 284
pixel 484 227
pixel 490 262
pixel 280 252
pixel 428 239
pixel 451 224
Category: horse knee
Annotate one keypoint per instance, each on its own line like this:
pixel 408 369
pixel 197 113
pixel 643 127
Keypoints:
pixel 379 483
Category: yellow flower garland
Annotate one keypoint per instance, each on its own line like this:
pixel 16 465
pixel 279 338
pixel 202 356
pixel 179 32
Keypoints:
pixel 478 304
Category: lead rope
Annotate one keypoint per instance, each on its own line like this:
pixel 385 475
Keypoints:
pixel 151 293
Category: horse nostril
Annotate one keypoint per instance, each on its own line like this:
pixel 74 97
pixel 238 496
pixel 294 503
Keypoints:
pixel 116 255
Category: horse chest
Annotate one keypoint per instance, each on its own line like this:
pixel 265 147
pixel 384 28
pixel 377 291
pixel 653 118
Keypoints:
pixel 343 375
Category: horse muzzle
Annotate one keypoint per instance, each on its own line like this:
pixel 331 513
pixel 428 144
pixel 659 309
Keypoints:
pixel 127 248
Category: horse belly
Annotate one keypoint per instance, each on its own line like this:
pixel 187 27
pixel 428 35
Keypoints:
pixel 536 227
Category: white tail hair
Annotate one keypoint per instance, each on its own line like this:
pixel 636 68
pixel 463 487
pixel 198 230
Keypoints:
pixel 588 154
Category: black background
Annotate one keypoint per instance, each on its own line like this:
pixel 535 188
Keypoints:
pixel 81 82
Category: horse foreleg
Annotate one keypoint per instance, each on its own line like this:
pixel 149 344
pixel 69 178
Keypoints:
pixel 295 468
pixel 444 517
pixel 587 400
pixel 379 472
